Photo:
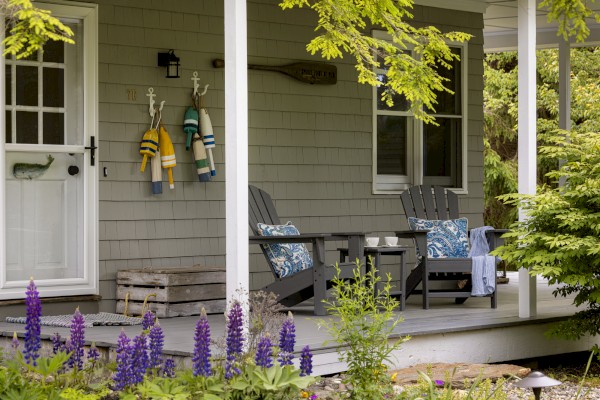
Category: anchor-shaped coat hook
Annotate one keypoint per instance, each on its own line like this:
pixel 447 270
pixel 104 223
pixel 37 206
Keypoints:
pixel 195 78
pixel 151 107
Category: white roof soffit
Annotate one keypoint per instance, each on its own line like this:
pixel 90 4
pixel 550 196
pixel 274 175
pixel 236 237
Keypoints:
pixel 476 6
pixel 500 27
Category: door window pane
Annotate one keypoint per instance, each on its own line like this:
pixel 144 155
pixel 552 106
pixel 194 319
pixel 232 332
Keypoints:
pixel 27 127
pixel 54 87
pixel 8 85
pixel 54 51
pixel 54 128
pixel 8 119
pixel 391 145
pixel 27 86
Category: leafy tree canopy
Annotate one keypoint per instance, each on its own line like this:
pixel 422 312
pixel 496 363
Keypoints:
pixel 500 113
pixel 560 238
pixel 30 27
pixel 571 16
pixel 342 25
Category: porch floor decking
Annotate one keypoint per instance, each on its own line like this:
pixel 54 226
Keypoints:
pixel 440 322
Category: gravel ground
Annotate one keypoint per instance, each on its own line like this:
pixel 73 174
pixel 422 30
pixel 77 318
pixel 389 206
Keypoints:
pixel 332 388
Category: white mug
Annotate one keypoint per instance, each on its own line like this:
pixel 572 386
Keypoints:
pixel 391 240
pixel 372 241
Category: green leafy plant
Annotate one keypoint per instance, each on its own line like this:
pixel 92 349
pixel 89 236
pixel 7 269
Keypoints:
pixel 428 389
pixel 30 28
pixel 209 388
pixel 276 382
pixel 161 388
pixel 363 321
pixel 342 25
pixel 560 238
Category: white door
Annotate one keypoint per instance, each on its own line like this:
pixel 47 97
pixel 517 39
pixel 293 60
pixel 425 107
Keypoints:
pixel 49 172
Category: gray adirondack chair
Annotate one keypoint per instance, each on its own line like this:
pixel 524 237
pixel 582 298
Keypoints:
pixel 437 203
pixel 311 282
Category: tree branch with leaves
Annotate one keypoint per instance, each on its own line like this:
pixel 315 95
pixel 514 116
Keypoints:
pixel 30 28
pixel 343 25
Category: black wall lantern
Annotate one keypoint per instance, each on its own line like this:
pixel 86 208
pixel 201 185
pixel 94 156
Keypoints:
pixel 171 61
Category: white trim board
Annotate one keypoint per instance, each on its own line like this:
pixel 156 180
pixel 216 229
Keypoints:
pixel 475 6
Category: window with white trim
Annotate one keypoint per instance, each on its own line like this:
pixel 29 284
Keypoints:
pixel 407 151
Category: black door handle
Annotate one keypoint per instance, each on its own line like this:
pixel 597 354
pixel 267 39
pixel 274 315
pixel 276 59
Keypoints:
pixel 92 147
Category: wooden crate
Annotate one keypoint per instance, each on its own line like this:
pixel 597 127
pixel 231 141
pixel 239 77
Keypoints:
pixel 172 292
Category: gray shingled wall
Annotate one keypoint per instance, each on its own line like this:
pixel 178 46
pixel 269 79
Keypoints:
pixel 310 146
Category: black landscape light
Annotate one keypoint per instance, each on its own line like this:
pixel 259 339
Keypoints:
pixel 171 61
pixel 537 381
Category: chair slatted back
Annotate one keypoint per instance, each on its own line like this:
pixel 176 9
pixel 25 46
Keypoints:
pixel 426 202
pixel 260 208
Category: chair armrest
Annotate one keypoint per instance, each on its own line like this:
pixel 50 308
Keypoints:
pixel 356 243
pixel 302 238
pixel 419 236
pixel 496 231
pixel 411 234
pixel 494 237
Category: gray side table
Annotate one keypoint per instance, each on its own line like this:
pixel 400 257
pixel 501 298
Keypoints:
pixel 378 251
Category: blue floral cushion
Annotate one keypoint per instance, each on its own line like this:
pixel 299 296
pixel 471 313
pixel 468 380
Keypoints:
pixel 445 239
pixel 286 258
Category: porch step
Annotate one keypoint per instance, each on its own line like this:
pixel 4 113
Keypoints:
pixel 60 305
pixel 171 292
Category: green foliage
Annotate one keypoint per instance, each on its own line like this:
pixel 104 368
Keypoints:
pixel 501 102
pixel 162 388
pixel 276 382
pixel 363 321
pixel 560 238
pixel 427 389
pixel 571 16
pixel 79 394
pixel 342 24
pixel 209 388
pixel 30 28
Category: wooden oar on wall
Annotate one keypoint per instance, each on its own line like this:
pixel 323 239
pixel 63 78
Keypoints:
pixel 308 72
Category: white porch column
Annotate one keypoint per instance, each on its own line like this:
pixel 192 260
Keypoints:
pixel 527 135
pixel 564 91
pixel 236 148
pixel 564 84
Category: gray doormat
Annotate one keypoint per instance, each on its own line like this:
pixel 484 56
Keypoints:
pixel 100 319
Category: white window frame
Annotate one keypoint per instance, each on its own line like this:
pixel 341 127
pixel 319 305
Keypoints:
pixel 89 283
pixel 396 184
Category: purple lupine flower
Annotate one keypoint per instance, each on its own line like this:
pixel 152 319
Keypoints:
pixel 264 353
pixel 57 344
pixel 15 341
pixel 93 354
pixel 305 361
pixel 201 360
pixel 439 382
pixel 77 344
pixel 157 339
pixel 169 368
pixel 287 340
pixel 148 320
pixel 139 359
pixel 32 323
pixel 235 339
pixel 122 376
